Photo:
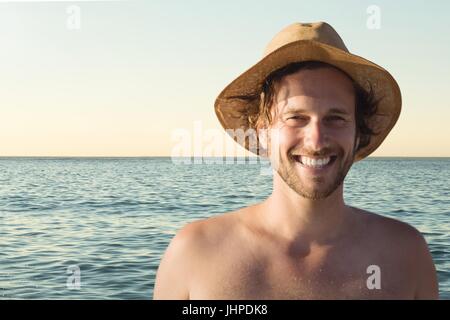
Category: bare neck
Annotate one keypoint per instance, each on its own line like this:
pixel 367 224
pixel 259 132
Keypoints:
pixel 294 217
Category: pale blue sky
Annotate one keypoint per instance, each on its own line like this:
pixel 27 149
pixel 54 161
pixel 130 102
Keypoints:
pixel 138 70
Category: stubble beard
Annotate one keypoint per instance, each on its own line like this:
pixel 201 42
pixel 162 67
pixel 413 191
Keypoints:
pixel 288 172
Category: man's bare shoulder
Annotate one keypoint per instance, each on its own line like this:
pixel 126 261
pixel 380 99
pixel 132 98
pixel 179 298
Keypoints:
pixel 189 250
pixel 212 231
pixel 405 244
pixel 389 228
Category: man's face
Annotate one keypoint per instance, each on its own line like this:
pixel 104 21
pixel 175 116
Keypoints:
pixel 315 127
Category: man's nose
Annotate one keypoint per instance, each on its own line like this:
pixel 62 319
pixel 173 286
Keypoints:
pixel 315 136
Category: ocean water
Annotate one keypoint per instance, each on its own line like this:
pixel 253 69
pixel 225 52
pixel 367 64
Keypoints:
pixel 107 221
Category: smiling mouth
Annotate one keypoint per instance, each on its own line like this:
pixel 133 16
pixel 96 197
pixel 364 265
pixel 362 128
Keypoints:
pixel 315 162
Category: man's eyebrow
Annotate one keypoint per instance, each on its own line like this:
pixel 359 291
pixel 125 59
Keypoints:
pixel 294 109
pixel 290 109
pixel 338 111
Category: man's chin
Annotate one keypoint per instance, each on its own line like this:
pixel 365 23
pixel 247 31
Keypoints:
pixel 315 193
pixel 314 185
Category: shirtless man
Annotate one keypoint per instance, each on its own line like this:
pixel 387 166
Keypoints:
pixel 303 241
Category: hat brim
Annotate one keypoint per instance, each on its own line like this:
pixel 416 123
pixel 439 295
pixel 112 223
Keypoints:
pixel 232 110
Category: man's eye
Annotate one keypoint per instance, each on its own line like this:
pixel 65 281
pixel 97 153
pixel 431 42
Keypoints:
pixel 336 118
pixel 296 118
pixel 296 121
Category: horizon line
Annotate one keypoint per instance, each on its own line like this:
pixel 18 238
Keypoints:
pixel 209 157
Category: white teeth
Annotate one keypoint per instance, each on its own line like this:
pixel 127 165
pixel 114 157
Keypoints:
pixel 315 163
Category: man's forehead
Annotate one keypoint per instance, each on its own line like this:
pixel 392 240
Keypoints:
pixel 335 108
pixel 312 80
pixel 306 87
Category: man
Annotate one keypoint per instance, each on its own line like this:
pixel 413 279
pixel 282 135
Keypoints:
pixel 325 108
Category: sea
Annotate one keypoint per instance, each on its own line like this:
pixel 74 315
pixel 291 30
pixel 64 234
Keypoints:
pixel 96 228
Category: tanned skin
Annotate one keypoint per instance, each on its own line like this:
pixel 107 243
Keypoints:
pixel 303 241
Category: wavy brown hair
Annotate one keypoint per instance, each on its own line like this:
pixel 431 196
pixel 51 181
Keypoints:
pixel 366 103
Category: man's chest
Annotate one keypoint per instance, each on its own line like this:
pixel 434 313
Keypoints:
pixel 367 276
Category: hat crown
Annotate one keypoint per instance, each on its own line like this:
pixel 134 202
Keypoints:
pixel 301 42
pixel 317 31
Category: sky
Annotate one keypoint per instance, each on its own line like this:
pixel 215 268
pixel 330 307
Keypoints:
pixel 121 78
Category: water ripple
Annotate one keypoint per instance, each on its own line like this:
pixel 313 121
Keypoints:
pixel 113 218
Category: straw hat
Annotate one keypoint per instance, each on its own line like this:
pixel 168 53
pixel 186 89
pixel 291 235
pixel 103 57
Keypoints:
pixel 309 42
